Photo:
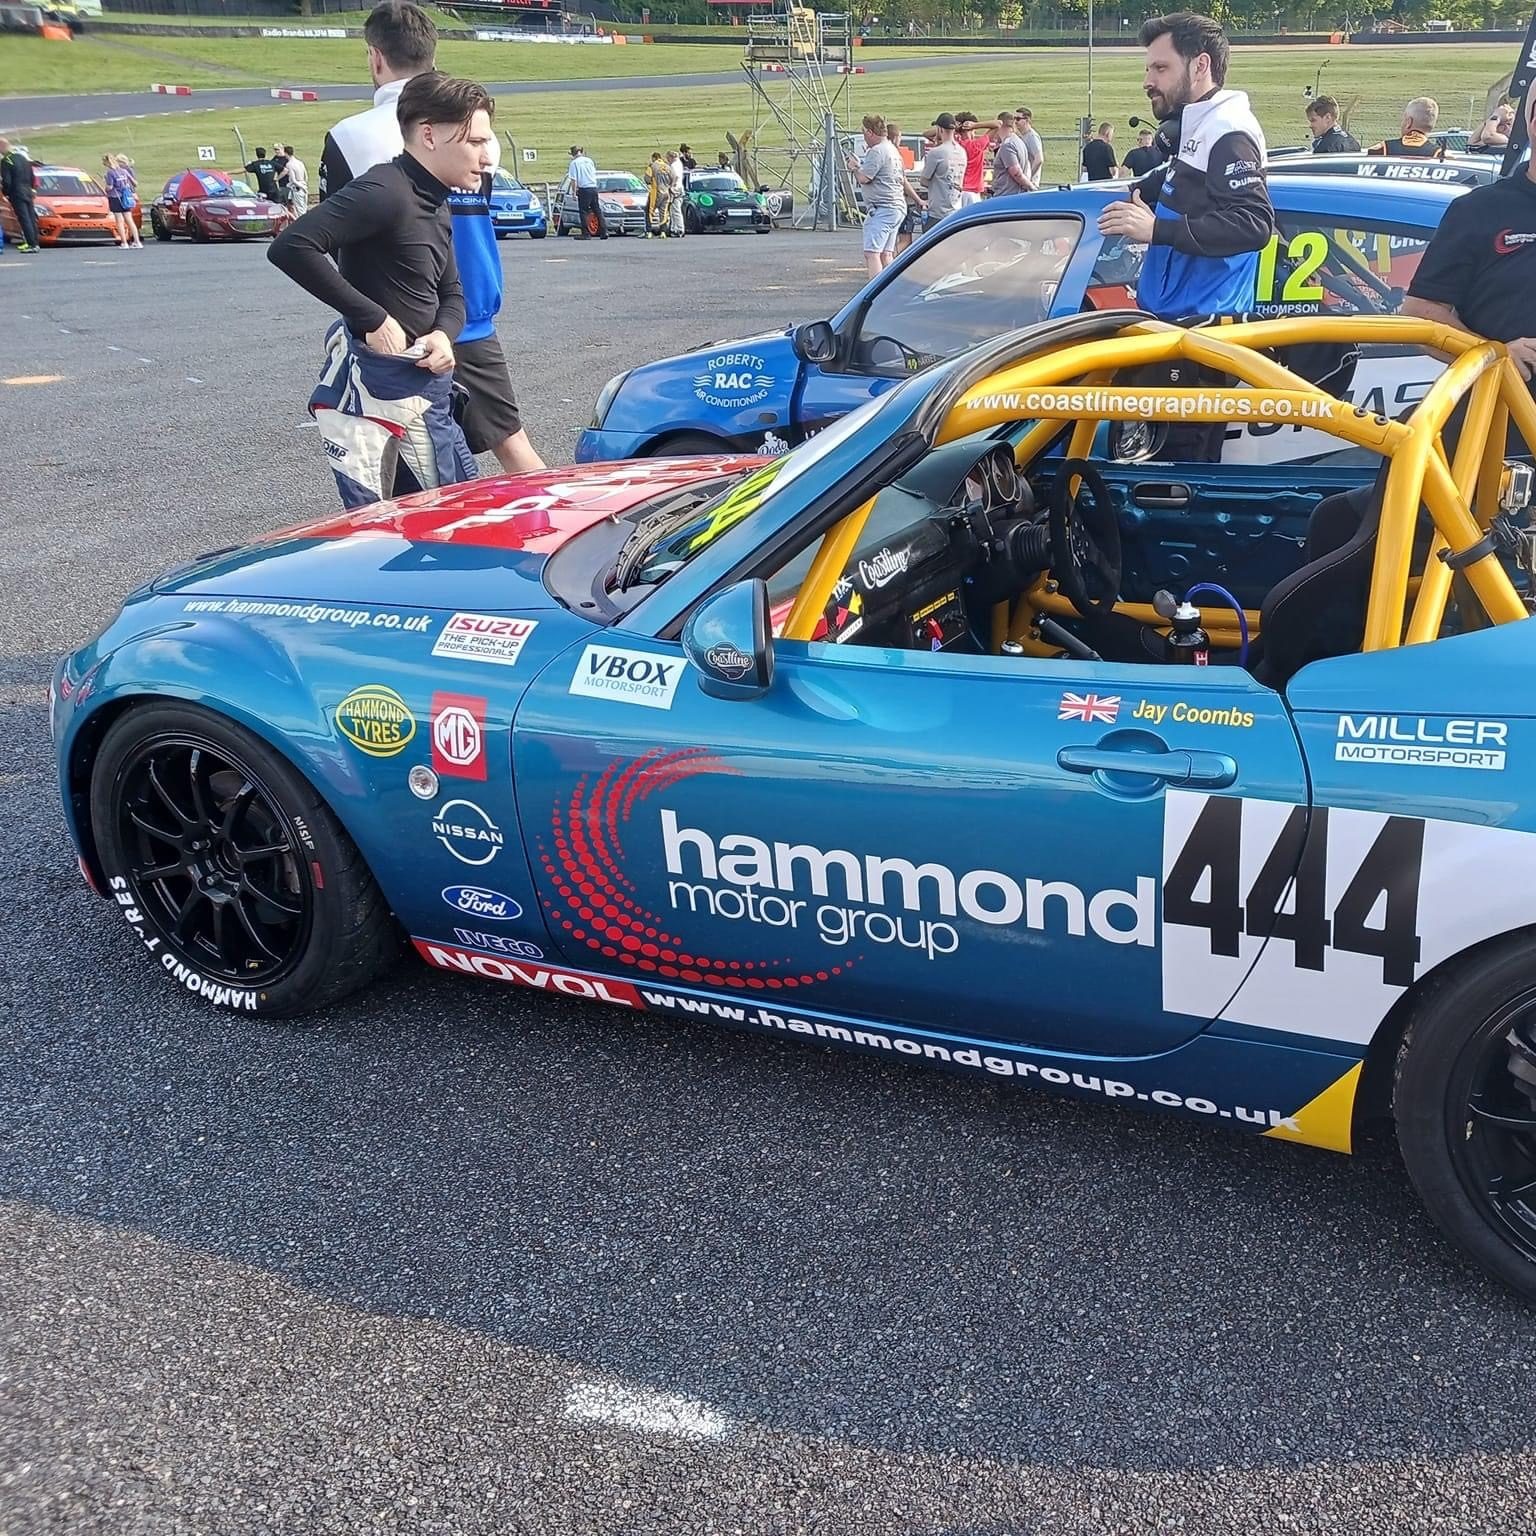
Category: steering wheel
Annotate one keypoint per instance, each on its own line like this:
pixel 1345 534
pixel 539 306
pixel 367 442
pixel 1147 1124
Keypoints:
pixel 1085 539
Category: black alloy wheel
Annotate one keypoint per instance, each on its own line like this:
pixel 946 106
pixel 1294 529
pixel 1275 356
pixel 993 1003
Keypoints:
pixel 1465 1104
pixel 230 869
pixel 212 860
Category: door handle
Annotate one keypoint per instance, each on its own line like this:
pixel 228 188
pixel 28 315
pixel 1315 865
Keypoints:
pixel 1201 770
pixel 1152 494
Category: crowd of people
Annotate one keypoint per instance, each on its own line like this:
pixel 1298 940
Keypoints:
pixel 401 246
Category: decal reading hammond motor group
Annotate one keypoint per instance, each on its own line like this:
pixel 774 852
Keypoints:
pixel 732 380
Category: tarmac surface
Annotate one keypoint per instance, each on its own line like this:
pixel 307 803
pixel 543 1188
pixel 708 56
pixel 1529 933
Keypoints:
pixel 29 113
pixel 455 1258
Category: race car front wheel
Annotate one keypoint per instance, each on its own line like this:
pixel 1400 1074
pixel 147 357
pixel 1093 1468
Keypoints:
pixel 232 871
pixel 1465 1106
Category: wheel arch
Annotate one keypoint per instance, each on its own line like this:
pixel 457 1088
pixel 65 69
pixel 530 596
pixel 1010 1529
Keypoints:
pixel 658 446
pixel 1373 1096
pixel 306 741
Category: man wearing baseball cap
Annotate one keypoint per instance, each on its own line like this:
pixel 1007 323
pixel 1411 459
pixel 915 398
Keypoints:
pixel 943 172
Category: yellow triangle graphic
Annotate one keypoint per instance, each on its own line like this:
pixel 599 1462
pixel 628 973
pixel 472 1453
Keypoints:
pixel 1325 1121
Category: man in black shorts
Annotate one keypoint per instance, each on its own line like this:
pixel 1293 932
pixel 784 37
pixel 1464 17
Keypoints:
pixel 402 44
pixel 1480 269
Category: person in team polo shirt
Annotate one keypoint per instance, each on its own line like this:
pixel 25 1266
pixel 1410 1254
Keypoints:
pixel 1479 272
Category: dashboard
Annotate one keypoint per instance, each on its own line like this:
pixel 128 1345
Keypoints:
pixel 940 546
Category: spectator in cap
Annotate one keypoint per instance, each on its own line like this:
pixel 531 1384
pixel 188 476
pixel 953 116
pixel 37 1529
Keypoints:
pixel 942 177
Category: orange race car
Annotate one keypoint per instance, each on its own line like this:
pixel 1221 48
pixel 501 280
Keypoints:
pixel 71 207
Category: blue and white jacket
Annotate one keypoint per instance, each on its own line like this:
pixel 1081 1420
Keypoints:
pixel 1212 208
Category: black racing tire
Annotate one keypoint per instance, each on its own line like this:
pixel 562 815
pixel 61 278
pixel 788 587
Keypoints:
pixel 195 229
pixel 538 234
pixel 684 445
pixel 690 220
pixel 1464 1101
pixel 161 229
pixel 230 868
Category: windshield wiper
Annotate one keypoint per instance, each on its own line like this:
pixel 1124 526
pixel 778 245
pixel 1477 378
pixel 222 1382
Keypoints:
pixel 649 531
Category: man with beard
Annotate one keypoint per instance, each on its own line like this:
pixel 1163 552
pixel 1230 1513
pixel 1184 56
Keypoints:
pixel 1205 215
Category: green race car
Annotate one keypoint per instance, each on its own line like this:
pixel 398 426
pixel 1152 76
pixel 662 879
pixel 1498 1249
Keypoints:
pixel 717 201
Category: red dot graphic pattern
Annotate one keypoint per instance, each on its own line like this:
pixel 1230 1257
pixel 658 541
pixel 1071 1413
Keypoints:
pixel 585 869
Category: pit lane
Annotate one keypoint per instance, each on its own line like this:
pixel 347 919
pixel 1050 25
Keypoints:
pixel 461 1258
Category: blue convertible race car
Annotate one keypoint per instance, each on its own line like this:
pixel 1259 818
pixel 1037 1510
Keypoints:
pixel 938 737
pixel 1345 246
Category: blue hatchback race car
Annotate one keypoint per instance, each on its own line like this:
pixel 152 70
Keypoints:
pixel 936 737
pixel 1344 246
pixel 514 209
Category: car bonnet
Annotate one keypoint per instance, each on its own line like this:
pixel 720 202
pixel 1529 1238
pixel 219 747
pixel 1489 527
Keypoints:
pixel 479 545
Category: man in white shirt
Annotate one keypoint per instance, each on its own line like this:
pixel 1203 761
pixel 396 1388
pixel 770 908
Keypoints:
pixel 1034 145
pixel 581 177
pixel 879 172
pixel 402 42
pixel 296 174
pixel 678 225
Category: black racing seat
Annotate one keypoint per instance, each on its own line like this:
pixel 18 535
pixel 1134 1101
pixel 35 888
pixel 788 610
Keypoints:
pixel 1319 610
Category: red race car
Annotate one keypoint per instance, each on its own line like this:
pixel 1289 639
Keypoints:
pixel 206 204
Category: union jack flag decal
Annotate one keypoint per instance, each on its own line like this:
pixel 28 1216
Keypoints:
pixel 1091 708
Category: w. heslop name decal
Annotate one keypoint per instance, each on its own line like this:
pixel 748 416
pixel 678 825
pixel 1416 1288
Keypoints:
pixel 1376 902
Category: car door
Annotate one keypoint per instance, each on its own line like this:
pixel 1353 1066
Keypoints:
pixel 1037 852
pixel 961 287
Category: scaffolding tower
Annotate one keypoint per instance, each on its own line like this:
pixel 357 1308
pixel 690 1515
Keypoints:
pixel 799 64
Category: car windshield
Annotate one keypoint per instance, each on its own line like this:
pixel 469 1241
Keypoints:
pixel 717 183
pixel 505 182
pixel 625 183
pixel 662 548
pixel 67 184
pixel 973 283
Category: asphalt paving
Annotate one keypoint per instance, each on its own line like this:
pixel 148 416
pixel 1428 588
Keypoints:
pixel 22 114
pixel 452 1258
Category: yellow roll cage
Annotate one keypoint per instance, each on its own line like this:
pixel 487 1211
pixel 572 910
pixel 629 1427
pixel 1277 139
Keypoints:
pixel 1075 382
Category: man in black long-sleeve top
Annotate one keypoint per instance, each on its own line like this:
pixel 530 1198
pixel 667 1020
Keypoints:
pixel 394 282
pixel 390 230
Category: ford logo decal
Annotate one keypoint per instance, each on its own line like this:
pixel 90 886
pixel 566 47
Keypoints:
pixel 477 901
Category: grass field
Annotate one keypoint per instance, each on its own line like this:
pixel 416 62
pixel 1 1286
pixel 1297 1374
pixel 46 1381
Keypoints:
pixel 622 126
pixel 32 67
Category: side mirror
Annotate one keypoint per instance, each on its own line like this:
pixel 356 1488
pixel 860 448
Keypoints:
pixel 729 642
pixel 815 342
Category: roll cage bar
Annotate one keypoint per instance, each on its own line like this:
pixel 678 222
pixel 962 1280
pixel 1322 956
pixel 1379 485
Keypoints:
pixel 1074 382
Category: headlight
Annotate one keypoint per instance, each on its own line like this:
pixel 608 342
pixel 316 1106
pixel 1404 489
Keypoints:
pixel 535 206
pixel 605 399
pixel 43 209
pixel 610 207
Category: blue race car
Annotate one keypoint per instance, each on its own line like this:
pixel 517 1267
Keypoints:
pixel 933 738
pixel 1343 247
pixel 514 209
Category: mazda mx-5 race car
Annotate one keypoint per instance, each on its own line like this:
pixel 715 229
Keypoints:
pixel 1343 247
pixel 206 204
pixel 934 738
